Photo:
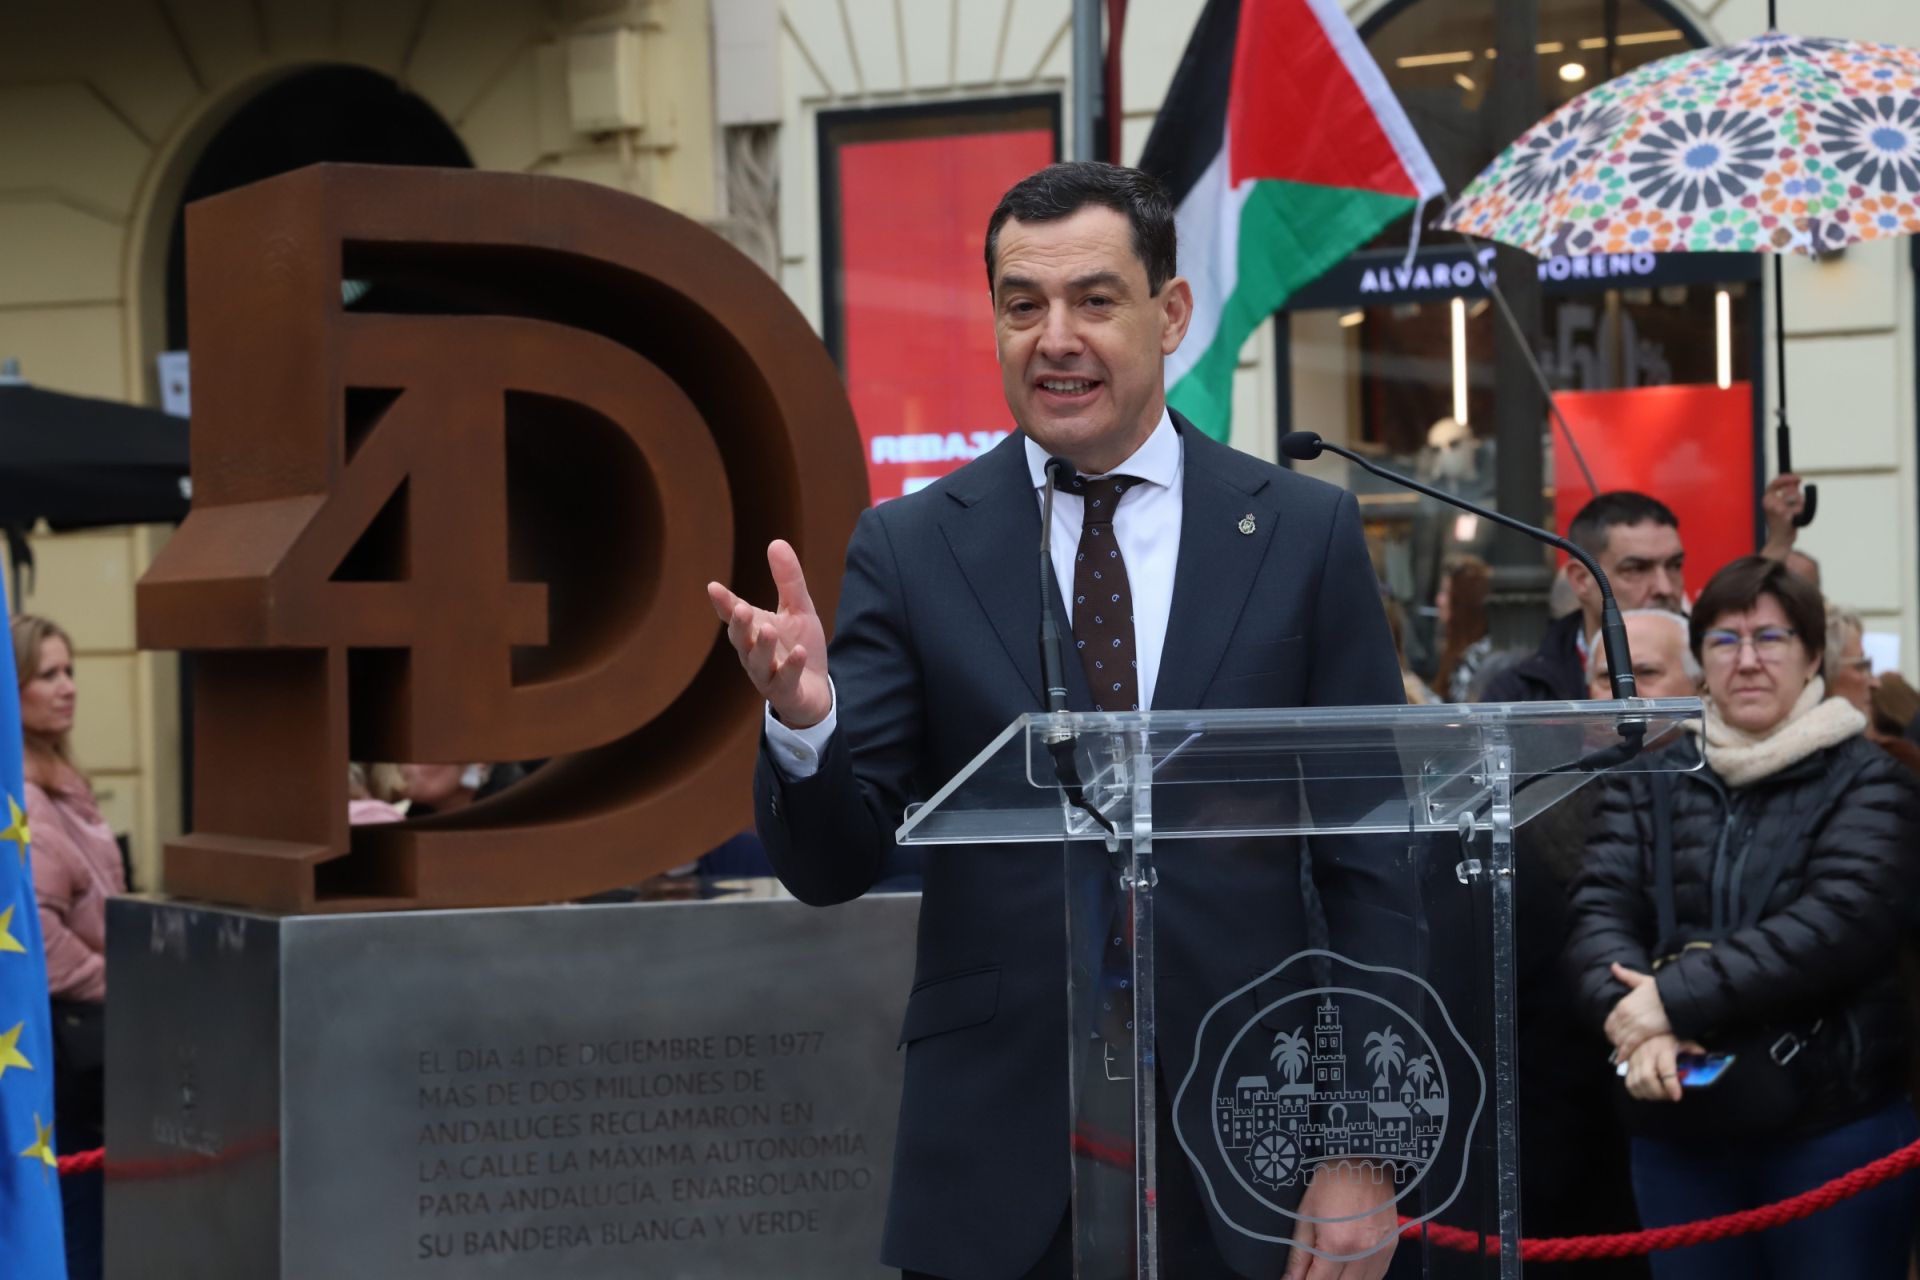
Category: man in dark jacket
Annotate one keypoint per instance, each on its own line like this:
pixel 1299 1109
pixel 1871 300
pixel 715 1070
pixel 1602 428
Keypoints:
pixel 1565 1055
pixel 1636 540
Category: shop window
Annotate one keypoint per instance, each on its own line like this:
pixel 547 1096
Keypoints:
pixel 905 195
pixel 1394 354
pixel 1439 57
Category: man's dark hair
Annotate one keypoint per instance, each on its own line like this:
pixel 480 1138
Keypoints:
pixel 1622 506
pixel 1062 190
pixel 1739 586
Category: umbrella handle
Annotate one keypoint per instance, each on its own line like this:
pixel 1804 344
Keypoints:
pixel 1782 436
pixel 1783 448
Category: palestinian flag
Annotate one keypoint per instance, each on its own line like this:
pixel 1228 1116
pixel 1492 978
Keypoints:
pixel 1284 151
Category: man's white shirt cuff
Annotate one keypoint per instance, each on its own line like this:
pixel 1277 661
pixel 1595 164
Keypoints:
pixel 796 752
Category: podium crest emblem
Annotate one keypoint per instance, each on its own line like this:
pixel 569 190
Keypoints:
pixel 1325 1061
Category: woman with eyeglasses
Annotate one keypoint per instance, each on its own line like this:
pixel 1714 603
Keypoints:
pixel 1736 933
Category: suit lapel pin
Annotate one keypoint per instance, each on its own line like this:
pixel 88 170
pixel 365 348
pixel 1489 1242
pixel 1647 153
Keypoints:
pixel 1246 523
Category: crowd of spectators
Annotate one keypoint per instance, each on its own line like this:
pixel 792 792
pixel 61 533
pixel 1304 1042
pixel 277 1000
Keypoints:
pixel 1730 923
pixel 395 792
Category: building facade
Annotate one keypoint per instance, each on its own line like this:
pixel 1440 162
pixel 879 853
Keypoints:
pixel 1851 330
pixel 112 115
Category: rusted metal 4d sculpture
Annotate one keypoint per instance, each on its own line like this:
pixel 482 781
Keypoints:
pixel 471 518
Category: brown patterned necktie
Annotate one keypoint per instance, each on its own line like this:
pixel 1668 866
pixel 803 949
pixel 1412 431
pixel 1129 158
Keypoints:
pixel 1102 601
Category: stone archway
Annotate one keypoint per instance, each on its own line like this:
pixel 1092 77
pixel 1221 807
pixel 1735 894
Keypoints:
pixel 483 76
pixel 308 116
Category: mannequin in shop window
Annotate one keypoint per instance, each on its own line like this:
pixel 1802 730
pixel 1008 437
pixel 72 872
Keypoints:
pixel 1460 607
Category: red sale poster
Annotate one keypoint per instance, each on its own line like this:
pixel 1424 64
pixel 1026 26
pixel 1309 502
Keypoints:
pixel 1689 446
pixel 917 322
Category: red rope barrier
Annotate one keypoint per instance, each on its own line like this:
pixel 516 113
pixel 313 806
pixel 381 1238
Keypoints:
pixel 1554 1249
pixel 175 1166
pixel 1681 1235
pixel 83 1161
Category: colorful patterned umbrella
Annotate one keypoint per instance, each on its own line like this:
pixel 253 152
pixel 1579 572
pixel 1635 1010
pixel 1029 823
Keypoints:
pixel 1777 144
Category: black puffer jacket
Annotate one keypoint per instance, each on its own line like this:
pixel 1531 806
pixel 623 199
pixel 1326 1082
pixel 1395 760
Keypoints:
pixel 1800 881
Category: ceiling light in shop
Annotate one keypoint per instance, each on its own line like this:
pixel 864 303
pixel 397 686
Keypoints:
pixel 1631 38
pixel 1352 318
pixel 1548 46
pixel 1458 310
pixel 1433 59
pixel 1465 81
pixel 1572 72
pixel 1648 37
pixel 1723 339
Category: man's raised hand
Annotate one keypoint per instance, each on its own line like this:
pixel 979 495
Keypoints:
pixel 785 651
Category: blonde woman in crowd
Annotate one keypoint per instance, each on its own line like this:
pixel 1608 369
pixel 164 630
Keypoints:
pixel 1846 666
pixel 76 868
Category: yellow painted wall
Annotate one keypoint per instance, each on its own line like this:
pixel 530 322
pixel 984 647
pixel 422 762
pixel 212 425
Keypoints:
pixel 104 109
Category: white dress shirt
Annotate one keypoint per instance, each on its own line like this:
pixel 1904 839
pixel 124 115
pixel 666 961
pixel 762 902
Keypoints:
pixel 1147 526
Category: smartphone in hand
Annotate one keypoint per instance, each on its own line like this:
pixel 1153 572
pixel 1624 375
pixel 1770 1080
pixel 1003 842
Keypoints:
pixel 1699 1070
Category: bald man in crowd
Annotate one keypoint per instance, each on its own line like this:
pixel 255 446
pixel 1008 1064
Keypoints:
pixel 1663 661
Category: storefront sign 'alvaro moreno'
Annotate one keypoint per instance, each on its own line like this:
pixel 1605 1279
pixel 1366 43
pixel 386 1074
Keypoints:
pixel 1477 272
pixel 1379 277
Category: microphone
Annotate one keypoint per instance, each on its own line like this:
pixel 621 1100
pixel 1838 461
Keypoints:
pixel 1307 445
pixel 1059 740
pixel 1049 621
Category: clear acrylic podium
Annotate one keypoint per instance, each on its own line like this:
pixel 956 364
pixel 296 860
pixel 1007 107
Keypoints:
pixel 1329 1035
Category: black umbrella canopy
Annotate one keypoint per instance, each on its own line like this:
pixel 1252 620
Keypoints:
pixel 79 463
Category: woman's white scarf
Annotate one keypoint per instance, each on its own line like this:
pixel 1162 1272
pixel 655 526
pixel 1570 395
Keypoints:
pixel 1815 723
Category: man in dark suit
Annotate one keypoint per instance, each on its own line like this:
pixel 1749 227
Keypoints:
pixel 1238 584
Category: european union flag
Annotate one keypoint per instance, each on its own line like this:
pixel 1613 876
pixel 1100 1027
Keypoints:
pixel 31 1247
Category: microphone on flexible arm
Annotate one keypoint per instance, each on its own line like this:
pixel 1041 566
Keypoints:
pixel 1307 445
pixel 1060 742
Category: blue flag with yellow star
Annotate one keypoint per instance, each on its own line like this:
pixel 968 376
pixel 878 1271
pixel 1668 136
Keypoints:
pixel 30 1236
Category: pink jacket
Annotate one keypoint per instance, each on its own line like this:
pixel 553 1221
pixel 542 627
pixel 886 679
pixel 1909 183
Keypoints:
pixel 76 868
pixel 365 812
